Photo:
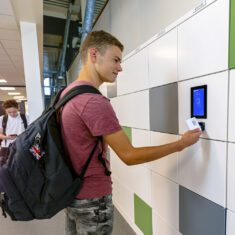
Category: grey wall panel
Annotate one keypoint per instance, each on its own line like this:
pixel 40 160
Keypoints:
pixel 164 108
pixel 199 216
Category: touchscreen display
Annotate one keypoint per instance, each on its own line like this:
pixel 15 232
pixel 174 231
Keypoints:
pixel 199 101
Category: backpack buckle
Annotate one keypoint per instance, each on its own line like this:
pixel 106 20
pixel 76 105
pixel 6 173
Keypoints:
pixel 108 172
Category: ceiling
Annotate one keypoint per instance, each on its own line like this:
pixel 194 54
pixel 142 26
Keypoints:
pixel 50 36
pixel 11 59
pixel 55 15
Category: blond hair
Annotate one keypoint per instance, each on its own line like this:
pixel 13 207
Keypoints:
pixel 99 40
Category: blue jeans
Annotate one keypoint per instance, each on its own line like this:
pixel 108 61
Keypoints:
pixel 90 217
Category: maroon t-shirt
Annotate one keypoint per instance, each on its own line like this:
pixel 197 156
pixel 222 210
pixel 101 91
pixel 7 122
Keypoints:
pixel 83 119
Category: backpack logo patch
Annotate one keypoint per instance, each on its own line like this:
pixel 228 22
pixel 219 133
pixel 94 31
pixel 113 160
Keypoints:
pixel 35 149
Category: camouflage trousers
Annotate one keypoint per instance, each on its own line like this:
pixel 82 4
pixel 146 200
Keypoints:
pixel 90 217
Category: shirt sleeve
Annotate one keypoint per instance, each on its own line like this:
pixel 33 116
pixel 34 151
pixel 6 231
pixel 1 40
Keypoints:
pixel 99 117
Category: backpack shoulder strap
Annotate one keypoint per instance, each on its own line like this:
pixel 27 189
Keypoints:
pixel 54 100
pixel 74 92
pixel 23 117
pixel 68 96
pixel 4 123
pixel 57 97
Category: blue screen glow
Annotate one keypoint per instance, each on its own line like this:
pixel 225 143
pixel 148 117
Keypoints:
pixel 198 102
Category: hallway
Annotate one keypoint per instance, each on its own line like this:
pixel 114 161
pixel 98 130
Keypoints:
pixel 55 226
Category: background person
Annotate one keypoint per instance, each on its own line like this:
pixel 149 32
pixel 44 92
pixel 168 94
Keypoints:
pixel 11 125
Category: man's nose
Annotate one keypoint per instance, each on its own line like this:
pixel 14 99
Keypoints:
pixel 120 68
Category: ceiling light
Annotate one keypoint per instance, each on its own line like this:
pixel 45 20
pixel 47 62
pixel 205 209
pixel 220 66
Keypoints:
pixel 19 97
pixel 23 99
pixel 3 81
pixel 13 93
pixel 7 88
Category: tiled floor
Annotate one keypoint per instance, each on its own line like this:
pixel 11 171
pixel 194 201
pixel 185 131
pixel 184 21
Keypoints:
pixel 55 226
pixel 121 227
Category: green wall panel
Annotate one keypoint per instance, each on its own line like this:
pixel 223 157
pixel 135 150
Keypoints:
pixel 127 130
pixel 232 35
pixel 143 215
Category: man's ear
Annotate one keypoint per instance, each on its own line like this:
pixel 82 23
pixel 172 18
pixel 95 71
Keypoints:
pixel 92 53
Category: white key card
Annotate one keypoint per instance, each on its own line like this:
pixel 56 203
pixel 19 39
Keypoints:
pixel 192 123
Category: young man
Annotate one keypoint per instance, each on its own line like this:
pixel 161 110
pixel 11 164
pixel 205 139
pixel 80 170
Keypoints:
pixel 11 125
pixel 86 118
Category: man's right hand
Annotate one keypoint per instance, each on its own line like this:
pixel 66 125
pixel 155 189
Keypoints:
pixel 189 138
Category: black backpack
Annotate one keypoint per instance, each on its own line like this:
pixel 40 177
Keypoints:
pixel 38 180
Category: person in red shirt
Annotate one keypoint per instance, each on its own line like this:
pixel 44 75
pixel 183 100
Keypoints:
pixel 88 117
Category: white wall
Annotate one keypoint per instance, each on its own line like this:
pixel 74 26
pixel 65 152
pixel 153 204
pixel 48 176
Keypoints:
pixel 198 56
pixel 192 51
pixel 134 22
pixel 166 45
pixel 32 69
pixel 217 85
pixel 144 19
pixel 231 124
